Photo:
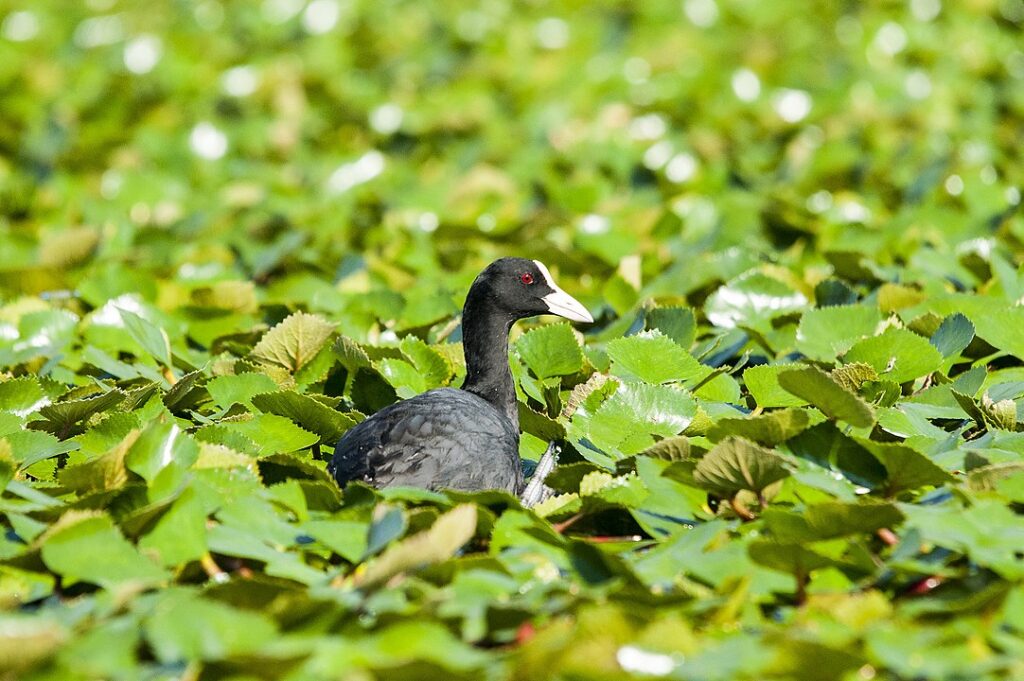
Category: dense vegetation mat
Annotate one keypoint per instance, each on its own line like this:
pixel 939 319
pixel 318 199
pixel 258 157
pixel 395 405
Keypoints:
pixel 792 442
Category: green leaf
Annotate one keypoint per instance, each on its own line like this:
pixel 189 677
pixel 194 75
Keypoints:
pixel 898 355
pixel 987 531
pixel 312 415
pixel 403 376
pixel 654 358
pixel 22 396
pixel 30 639
pixel 86 547
pixel 827 447
pixel 818 388
pixel 627 421
pixel 446 536
pixel 151 337
pixel 539 425
pixel 827 332
pixel 550 350
pixel 854 376
pixel 347 538
pixel 239 388
pixel 1001 326
pixel 430 364
pixel 8 466
pixel 64 418
pixel 954 334
pixel 905 468
pixel 678 323
pixel 294 342
pixel 180 535
pixel 159 446
pixel 753 299
pixel 734 465
pixel 402 645
pixel 187 393
pixel 829 520
pixel 790 558
pixel 768 429
pixel 273 434
pixel 185 627
pixel 30 446
pixel 670 449
pixel 763 385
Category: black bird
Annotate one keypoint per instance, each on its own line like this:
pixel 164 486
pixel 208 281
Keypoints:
pixel 461 438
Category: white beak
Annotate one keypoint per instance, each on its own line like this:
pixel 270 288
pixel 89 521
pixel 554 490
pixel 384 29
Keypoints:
pixel 561 303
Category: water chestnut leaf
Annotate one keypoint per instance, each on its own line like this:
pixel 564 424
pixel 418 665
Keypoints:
pixel 827 332
pixel 654 358
pixel 897 355
pixel 678 323
pixel 735 464
pixel 954 334
pixel 550 350
pixel 151 337
pixel 763 384
pixel 86 546
pixel 294 342
pixel 448 533
pixel 239 388
pixel 768 429
pixel 829 520
pixel 818 388
pixel 307 412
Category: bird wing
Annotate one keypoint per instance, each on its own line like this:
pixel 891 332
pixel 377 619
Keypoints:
pixel 434 441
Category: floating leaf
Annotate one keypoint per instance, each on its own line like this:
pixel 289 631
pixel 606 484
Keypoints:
pixel 791 558
pixel 186 626
pixel 180 535
pixel 653 358
pixel 905 468
pixel 431 365
pixel 22 396
pixel 854 376
pixel 550 350
pixel 823 392
pixel 295 341
pixel 829 520
pixel 763 384
pixel 825 333
pixel 829 448
pixel 669 449
pixel 273 434
pixel 898 355
pixel 448 533
pixel 768 429
pixel 239 388
pixel 734 465
pixel 753 299
pixel 954 334
pixel 151 337
pixel 678 323
pixel 627 421
pixel 88 547
pixel 64 418
pixel 312 415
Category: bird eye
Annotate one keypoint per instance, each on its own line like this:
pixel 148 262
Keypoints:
pixel 526 278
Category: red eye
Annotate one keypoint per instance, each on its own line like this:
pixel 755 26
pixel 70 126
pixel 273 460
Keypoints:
pixel 526 278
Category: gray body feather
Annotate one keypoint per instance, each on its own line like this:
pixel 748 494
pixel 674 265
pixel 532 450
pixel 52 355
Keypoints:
pixel 441 439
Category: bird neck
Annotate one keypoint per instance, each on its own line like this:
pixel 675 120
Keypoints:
pixel 485 345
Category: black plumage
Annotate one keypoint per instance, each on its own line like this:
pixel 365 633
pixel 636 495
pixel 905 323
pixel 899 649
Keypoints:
pixel 461 438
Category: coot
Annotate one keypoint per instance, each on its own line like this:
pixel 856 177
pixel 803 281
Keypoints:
pixel 461 438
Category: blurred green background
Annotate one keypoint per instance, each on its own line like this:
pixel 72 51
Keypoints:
pixel 338 138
